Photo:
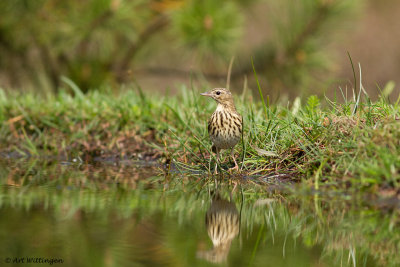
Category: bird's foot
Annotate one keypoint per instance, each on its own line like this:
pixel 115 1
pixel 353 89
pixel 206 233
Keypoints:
pixel 234 169
pixel 216 169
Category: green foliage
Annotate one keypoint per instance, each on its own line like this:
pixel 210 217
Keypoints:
pixel 76 39
pixel 312 103
pixel 299 54
pixel 105 41
pixel 210 26
pixel 315 142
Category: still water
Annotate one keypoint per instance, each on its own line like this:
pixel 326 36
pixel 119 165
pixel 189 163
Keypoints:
pixel 62 214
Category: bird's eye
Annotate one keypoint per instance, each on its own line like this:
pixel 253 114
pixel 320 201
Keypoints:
pixel 218 92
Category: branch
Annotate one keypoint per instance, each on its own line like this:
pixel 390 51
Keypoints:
pixel 83 44
pixel 156 25
pixel 310 28
pixel 165 71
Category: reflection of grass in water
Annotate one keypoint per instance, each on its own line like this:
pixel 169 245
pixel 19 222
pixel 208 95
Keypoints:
pixel 165 216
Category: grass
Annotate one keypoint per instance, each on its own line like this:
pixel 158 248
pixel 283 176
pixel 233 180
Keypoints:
pixel 347 143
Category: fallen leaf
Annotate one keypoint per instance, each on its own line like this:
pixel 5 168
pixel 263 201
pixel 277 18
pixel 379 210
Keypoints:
pixel 262 152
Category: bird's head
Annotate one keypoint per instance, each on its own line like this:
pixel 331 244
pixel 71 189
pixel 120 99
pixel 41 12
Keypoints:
pixel 221 95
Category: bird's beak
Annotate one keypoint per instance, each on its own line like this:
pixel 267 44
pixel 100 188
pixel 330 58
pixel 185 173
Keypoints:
pixel 206 94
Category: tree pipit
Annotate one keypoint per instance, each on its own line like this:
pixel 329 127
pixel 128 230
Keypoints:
pixel 225 124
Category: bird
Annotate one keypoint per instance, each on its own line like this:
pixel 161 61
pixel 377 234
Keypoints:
pixel 225 125
pixel 223 224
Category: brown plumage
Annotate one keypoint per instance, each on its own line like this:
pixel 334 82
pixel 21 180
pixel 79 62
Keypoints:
pixel 222 222
pixel 225 124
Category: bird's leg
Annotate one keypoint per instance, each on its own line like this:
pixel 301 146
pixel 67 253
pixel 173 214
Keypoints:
pixel 236 168
pixel 209 163
pixel 217 161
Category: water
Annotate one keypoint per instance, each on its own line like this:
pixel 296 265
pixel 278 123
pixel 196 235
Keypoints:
pixel 83 215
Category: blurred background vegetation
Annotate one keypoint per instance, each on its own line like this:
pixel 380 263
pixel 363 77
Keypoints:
pixel 296 46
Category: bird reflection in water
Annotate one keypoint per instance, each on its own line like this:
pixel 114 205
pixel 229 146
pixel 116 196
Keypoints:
pixel 222 223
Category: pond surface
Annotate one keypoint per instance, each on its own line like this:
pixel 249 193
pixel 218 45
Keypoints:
pixel 62 214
